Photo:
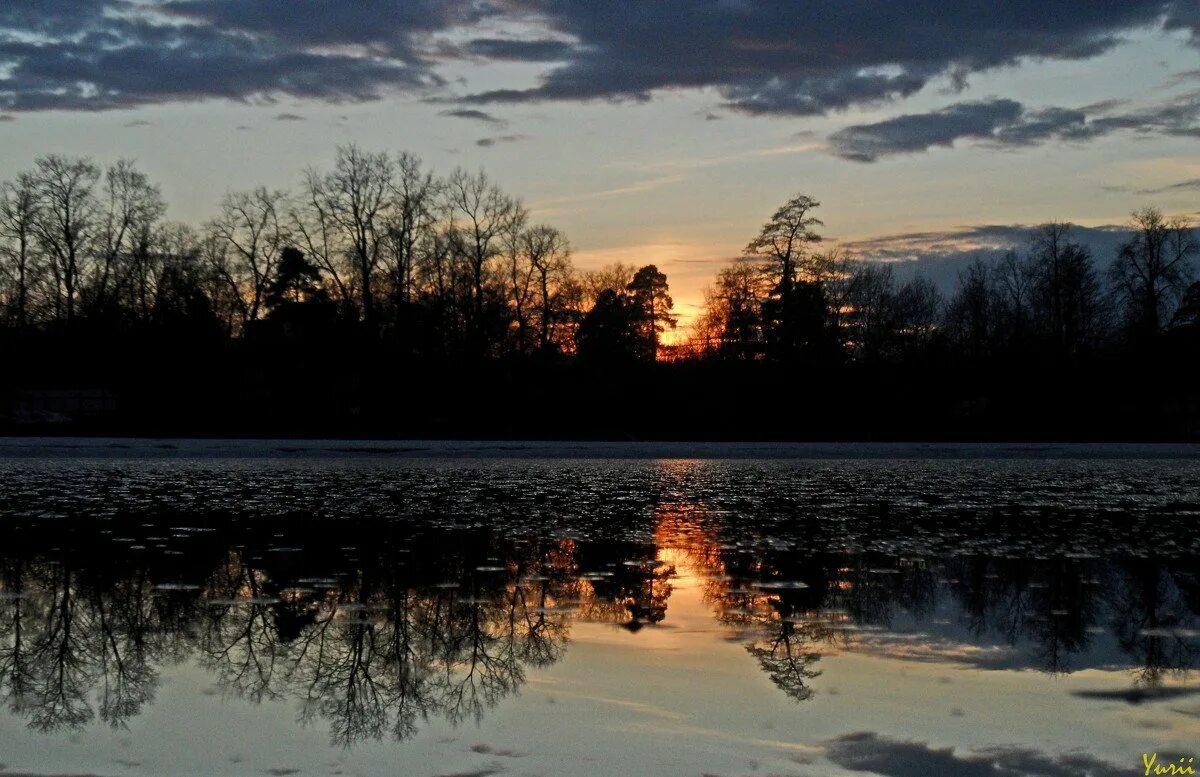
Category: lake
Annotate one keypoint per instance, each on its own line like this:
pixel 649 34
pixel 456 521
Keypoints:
pixel 471 609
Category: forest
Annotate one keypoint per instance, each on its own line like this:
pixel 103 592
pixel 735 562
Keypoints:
pixel 379 299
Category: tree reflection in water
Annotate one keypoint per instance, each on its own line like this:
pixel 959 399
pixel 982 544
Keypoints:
pixel 424 619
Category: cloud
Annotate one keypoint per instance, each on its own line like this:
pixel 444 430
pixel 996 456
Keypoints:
pixel 923 131
pixel 489 142
pixel 289 117
pixel 759 56
pixel 138 123
pixel 1007 123
pixel 108 54
pixel 475 115
pixel 385 25
pixel 871 752
pixel 1188 185
pixel 5 117
pixel 775 58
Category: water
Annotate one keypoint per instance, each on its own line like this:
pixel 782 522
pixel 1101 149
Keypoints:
pixel 463 609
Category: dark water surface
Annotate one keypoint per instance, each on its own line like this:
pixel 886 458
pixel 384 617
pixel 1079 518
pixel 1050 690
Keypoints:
pixel 333 610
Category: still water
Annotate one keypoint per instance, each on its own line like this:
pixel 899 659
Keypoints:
pixel 275 610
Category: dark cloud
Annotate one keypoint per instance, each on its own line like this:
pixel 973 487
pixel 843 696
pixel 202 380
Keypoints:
pixel 5 117
pixel 761 56
pixel 489 142
pixel 475 115
pixel 922 131
pixel 871 752
pixel 768 57
pixel 117 53
pixel 1007 123
pixel 289 117
pixel 50 17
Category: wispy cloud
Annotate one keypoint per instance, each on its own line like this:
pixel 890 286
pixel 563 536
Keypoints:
pixel 1192 184
pixel 474 114
pixel 489 142
pixel 638 187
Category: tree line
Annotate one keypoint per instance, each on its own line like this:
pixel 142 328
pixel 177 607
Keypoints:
pixel 386 299
pixel 786 299
pixel 375 247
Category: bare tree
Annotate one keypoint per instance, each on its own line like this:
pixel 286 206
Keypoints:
pixel 1011 291
pixel 519 279
pixel 411 223
pixel 349 220
pixel 613 277
pixel 834 270
pixel 1066 291
pixel 871 310
pixel 970 316
pixel 550 257
pixel 18 255
pixel 131 207
pixel 918 312
pixel 1153 268
pixel 247 238
pixel 480 215
pixel 66 224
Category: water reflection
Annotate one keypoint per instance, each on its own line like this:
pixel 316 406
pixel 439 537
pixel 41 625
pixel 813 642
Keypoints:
pixel 372 626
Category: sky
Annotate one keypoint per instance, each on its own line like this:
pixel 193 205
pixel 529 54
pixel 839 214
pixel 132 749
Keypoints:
pixel 658 132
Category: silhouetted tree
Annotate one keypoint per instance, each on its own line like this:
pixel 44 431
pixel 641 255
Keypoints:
pixel 733 314
pixel 296 280
pixel 1066 291
pixel 1012 289
pixel 410 224
pixel 651 304
pixel 18 256
pixel 609 331
pixel 345 222
pixel 130 210
pixel 1153 268
pixel 794 315
pixel 247 237
pixel 68 218
pixel 480 215
pixel 550 258
pixel 970 316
